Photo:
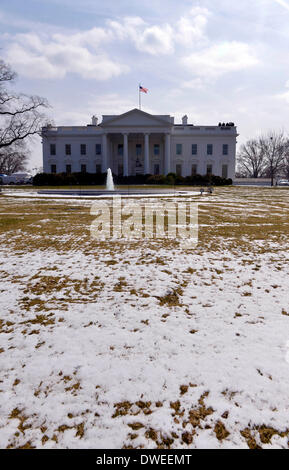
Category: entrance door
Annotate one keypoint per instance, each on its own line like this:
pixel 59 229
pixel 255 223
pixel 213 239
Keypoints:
pixel 156 169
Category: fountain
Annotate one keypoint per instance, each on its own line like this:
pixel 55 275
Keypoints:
pixel 109 181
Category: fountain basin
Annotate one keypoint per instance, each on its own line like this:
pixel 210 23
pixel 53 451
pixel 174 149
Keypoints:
pixel 118 192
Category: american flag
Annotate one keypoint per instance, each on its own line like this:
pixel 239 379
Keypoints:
pixel 144 90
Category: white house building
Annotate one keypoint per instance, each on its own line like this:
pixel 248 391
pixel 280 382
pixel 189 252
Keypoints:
pixel 140 143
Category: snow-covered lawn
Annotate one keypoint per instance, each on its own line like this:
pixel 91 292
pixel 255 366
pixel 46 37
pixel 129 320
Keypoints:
pixel 116 344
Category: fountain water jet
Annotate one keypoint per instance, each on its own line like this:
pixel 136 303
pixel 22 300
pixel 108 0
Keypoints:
pixel 109 181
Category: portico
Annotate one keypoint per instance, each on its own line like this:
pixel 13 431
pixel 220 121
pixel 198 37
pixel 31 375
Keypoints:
pixel 132 153
pixel 137 141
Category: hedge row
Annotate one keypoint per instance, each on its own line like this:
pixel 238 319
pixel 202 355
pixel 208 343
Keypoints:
pixel 63 179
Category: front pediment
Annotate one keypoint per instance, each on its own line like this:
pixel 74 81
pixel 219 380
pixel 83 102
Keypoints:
pixel 136 118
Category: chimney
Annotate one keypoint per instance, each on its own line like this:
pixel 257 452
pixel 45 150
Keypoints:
pixel 94 121
pixel 185 120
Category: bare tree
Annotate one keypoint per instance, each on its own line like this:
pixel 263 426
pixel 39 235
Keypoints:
pixel 274 147
pixel 21 116
pixel 251 159
pixel 13 158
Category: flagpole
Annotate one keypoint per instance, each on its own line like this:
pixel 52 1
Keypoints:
pixel 139 97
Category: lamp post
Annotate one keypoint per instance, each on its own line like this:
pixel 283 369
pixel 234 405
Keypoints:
pixel 271 163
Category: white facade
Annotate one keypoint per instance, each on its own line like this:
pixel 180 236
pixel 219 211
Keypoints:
pixel 140 143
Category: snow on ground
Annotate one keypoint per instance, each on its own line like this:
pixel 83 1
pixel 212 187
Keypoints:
pixel 118 344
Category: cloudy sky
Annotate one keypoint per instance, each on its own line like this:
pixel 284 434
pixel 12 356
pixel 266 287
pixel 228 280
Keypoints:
pixel 214 60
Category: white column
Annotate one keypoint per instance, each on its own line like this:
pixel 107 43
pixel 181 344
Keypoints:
pixel 167 153
pixel 147 155
pixel 104 154
pixel 125 155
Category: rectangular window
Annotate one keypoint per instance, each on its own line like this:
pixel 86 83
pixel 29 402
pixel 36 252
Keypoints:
pixel 120 170
pixel 194 169
pixel 52 149
pixel 120 150
pixel 156 169
pixel 194 149
pixel 97 149
pixel 225 149
pixel 83 168
pixel 156 149
pixel 53 168
pixel 179 170
pixel 209 169
pixel 179 149
pixel 138 148
pixel 225 171
pixel 97 168
pixel 82 149
pixel 67 149
pixel 210 149
pixel 68 169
